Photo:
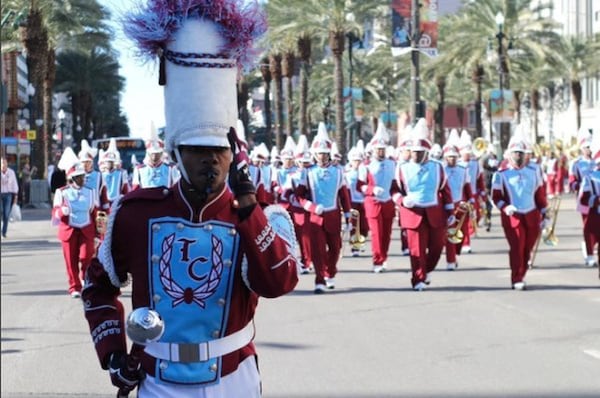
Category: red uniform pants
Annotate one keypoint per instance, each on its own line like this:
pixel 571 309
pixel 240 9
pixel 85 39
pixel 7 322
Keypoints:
pixel 425 244
pixel 590 228
pixel 364 226
pixel 325 249
pixel 78 249
pixel 381 231
pixel 588 236
pixel 521 240
pixel 552 184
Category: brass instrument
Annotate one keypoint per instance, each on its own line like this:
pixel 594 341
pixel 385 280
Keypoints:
pixel 455 235
pixel 480 146
pixel 548 235
pixel 356 240
pixel 101 222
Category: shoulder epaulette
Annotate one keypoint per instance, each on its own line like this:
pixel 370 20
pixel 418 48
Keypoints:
pixel 154 194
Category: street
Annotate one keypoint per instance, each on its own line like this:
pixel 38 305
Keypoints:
pixel 467 335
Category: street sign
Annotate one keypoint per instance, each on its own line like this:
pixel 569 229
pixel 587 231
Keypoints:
pixel 31 134
pixel 502 107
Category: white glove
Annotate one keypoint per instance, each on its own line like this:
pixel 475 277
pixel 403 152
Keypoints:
pixel 409 202
pixel 451 220
pixel 545 223
pixel 377 191
pixel 65 210
pixel 347 227
pixel 319 210
pixel 510 210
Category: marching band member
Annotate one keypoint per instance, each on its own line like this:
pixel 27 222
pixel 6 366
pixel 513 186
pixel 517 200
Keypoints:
pixel 378 185
pixel 469 161
pixel 518 193
pixel 257 158
pixel 580 168
pixel 204 250
pixel 460 188
pixel 304 161
pixel 425 206
pixel 355 170
pixel 114 181
pixel 266 173
pixel 75 207
pixel 153 172
pixel 590 197
pixel 93 178
pixel 551 172
pixel 326 188
pixel 436 152
pixel 403 157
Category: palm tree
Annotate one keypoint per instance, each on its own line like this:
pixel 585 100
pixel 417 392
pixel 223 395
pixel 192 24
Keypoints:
pixel 581 59
pixel 524 27
pixel 275 69
pixel 51 24
pixel 265 72
pixel 325 21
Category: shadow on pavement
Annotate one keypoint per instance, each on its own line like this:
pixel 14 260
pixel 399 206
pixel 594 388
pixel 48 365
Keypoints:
pixel 28 245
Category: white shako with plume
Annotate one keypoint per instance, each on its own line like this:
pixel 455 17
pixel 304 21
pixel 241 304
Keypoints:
pixel 201 45
pixel 87 152
pixel 321 143
pixel 70 163
pixel 288 149
pixel 381 138
pixel 419 136
pixel 584 137
pixel 451 148
pixel 466 143
pixel 302 151
pixel 154 144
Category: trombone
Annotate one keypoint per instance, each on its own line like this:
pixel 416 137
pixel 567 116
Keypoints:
pixel 549 237
pixel 356 240
pixel 455 235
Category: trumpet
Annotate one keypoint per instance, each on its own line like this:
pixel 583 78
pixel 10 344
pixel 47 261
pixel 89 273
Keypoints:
pixel 549 237
pixel 480 146
pixel 101 222
pixel 455 235
pixel 356 240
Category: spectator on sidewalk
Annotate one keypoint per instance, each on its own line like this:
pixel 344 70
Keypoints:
pixel 8 191
pixel 27 173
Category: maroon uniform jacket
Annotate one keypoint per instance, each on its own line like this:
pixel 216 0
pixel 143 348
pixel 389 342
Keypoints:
pixel 271 269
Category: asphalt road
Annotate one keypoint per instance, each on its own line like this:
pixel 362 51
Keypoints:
pixel 468 335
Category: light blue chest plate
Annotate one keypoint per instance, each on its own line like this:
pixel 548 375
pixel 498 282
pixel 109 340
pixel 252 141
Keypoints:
pixel 592 184
pixel 191 278
pixel 113 184
pixel 473 167
pixel 351 180
pixel 457 177
pixel 254 174
pixel 92 181
pixel 80 202
pixel 422 182
pixel 383 175
pixel 584 167
pixel 325 183
pixel 266 175
pixel 151 177
pixel 520 184
pixel 285 177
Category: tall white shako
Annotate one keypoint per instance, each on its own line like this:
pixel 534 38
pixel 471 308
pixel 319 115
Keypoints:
pixel 335 152
pixel 321 143
pixel 584 137
pixel 87 153
pixel 153 144
pixel 457 175
pixel 352 174
pixel 266 172
pixel 111 154
pixel 360 147
pixel 112 178
pixel 93 178
pixel 80 200
pixel 287 152
pixel 451 148
pixel 302 151
pixel 436 151
pixel 466 143
pixel 419 136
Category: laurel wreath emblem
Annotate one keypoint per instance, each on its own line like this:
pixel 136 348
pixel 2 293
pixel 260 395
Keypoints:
pixel 188 295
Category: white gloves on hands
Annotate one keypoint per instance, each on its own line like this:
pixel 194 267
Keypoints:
pixel 377 191
pixel 65 210
pixel 408 202
pixel 510 210
pixel 545 223
pixel 451 220
pixel 319 210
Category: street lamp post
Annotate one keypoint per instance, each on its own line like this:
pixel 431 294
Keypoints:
pixel 61 117
pixel 503 79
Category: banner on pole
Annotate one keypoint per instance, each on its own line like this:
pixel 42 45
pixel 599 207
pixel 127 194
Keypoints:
pixel 402 27
pixel 502 106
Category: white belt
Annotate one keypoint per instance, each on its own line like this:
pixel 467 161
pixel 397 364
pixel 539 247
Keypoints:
pixel 201 352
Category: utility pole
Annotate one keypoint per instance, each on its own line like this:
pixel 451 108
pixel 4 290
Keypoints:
pixel 415 97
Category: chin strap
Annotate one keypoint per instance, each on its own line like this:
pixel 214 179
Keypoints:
pixel 180 166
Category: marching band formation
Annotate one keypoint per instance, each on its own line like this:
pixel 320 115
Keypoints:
pixel 439 194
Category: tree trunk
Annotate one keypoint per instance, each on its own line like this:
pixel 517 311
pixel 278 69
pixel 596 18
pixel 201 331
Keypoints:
pixel 535 107
pixel 266 75
pixel 439 130
pixel 478 75
pixel 336 42
pixel 48 99
pixel 304 49
pixel 287 71
pixel 275 68
pixel 576 90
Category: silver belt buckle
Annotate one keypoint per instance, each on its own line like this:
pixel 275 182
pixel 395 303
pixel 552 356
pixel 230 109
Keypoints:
pixel 190 352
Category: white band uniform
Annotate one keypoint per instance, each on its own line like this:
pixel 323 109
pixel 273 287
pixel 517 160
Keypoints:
pixel 200 352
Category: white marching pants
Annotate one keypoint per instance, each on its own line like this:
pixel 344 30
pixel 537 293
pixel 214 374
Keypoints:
pixel 244 382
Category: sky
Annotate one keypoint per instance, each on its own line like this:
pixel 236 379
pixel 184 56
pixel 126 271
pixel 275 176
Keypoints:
pixel 142 99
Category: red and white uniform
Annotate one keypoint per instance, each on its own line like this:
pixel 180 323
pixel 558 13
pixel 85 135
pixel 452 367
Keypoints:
pixel 458 181
pixel 590 197
pixel 75 212
pixel 171 275
pixel 425 218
